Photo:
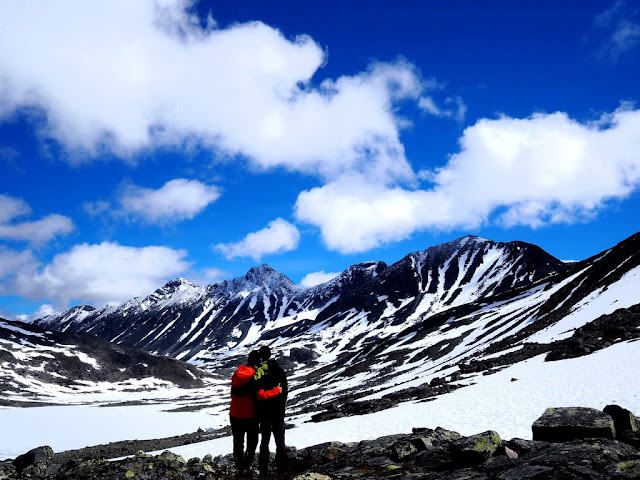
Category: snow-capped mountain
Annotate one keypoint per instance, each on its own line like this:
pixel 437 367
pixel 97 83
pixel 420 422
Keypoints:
pixel 35 361
pixel 502 327
pixel 369 300
pixel 427 324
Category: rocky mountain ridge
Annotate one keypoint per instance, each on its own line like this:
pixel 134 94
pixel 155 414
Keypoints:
pixel 191 322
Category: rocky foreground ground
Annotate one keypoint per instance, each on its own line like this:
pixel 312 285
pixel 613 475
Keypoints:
pixel 568 444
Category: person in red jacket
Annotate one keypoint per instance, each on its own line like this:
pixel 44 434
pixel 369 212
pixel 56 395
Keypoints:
pixel 242 415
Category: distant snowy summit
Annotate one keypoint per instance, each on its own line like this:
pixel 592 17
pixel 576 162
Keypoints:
pixel 188 321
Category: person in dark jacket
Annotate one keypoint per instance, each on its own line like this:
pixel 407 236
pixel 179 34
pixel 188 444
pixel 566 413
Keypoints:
pixel 242 414
pixel 270 413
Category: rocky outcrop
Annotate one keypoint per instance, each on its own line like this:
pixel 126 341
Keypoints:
pixel 565 424
pixel 424 454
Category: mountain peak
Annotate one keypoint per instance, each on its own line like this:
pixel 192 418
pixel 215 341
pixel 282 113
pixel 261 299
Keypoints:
pixel 178 282
pixel 265 275
pixel 471 239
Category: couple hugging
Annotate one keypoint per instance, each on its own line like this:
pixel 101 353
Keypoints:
pixel 258 398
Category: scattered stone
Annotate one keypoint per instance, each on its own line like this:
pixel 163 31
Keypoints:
pixel 423 454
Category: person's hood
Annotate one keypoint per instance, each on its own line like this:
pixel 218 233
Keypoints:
pixel 244 372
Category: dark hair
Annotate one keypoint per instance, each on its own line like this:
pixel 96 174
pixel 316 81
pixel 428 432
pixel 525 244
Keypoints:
pixel 265 353
pixel 254 358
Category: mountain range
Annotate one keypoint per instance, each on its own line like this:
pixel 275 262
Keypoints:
pixel 420 327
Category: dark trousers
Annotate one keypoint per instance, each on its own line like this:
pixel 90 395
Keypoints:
pixel 239 428
pixel 272 426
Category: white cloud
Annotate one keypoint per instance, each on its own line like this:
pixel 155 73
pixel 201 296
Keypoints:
pixel 316 278
pixel 11 207
pixel 37 231
pixel 42 311
pixel 277 237
pixel 457 111
pixel 622 27
pixel 536 171
pixel 176 200
pixel 129 76
pixel 207 276
pixel 96 274
pixel 12 262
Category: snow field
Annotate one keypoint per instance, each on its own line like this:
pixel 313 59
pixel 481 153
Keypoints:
pixel 493 402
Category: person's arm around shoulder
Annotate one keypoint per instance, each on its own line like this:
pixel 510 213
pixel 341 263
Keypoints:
pixel 265 395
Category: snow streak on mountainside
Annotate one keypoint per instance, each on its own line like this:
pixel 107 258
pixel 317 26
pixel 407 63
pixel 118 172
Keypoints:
pixel 367 301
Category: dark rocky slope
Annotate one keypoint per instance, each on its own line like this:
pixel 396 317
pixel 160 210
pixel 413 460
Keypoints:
pixel 32 356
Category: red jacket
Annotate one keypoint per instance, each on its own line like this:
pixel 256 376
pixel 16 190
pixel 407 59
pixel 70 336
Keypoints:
pixel 244 406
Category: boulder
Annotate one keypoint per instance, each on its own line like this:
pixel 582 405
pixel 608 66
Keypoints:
pixel 312 476
pixel 566 424
pixel 37 455
pixel 624 470
pixel 623 419
pixel 475 449
pixel 402 449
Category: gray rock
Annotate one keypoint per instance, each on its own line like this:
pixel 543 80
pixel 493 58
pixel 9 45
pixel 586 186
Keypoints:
pixel 434 458
pixel 312 476
pixel 625 470
pixel 566 424
pixel 37 455
pixel 403 449
pixel 475 449
pixel 623 419
pixel 506 451
pixel 526 472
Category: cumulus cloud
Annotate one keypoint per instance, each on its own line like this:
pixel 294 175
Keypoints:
pixel 316 278
pixel 277 237
pixel 37 231
pixel 176 200
pixel 106 273
pixel 541 170
pixel 129 76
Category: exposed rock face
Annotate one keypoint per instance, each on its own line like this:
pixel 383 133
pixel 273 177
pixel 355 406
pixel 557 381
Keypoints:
pixel 623 419
pixel 565 424
pixel 424 454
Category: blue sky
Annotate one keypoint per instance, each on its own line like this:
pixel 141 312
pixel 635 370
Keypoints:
pixel 141 141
